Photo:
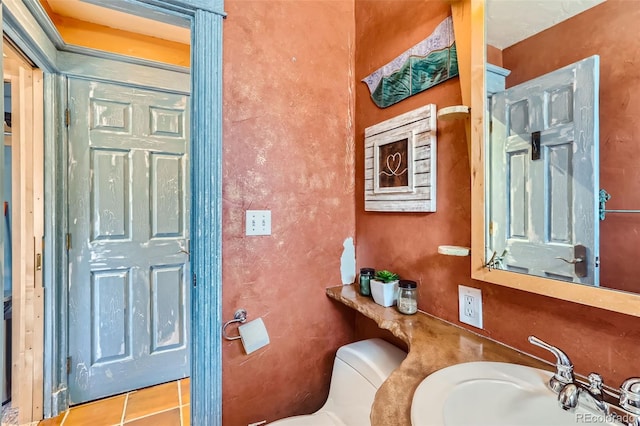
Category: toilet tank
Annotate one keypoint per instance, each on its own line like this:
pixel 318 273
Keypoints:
pixel 358 371
pixel 374 359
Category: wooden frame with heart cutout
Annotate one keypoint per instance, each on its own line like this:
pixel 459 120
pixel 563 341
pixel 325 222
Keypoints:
pixel 393 164
pixel 400 163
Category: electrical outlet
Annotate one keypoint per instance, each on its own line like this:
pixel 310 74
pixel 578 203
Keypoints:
pixel 470 304
pixel 258 222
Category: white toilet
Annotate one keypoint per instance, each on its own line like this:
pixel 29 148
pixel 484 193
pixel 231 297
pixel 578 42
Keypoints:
pixel 358 371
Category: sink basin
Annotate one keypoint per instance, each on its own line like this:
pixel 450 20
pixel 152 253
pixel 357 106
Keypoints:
pixel 492 393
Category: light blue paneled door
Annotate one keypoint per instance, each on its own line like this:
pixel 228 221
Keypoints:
pixel 128 203
pixel 544 193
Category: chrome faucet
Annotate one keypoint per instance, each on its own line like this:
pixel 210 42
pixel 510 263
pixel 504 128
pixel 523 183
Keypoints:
pixel 564 368
pixel 569 390
pixel 569 395
pixel 563 382
pixel 630 400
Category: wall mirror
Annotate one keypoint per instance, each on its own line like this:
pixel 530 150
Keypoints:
pixel 528 44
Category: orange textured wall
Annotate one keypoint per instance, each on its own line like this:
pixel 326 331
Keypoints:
pixel 494 55
pixel 407 242
pixel 80 33
pixel 596 340
pixel 288 147
pixel 608 30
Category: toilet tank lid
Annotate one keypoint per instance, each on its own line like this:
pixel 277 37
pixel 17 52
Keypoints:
pixel 375 359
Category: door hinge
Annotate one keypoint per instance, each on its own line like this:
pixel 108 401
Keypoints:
pixel 68 241
pixel 67 117
pixel 490 126
pixel 68 365
pixel 194 279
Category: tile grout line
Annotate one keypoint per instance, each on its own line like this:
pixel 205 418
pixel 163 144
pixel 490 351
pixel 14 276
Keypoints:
pixel 64 418
pixel 180 400
pixel 150 415
pixel 124 408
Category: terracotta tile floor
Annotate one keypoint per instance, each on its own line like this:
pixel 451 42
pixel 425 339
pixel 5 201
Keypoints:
pixel 161 405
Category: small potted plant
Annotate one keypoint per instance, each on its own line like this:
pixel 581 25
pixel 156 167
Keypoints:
pixel 384 288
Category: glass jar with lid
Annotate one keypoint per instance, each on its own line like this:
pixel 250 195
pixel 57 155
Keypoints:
pixel 407 297
pixel 366 275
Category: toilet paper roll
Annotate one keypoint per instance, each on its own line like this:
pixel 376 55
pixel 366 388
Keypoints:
pixel 254 335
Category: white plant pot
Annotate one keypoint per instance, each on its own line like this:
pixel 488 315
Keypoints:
pixel 384 294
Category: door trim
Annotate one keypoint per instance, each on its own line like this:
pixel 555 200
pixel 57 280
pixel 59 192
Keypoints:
pixel 205 19
pixel 96 67
pixel 27 229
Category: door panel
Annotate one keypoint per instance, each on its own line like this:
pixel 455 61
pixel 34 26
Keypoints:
pixel 110 194
pixel 110 325
pixel 167 314
pixel 542 207
pixel 167 195
pixel 128 213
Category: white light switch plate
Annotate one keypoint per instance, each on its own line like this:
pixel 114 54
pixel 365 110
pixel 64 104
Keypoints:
pixel 258 222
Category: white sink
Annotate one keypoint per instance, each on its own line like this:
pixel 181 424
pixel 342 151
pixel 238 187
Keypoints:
pixel 492 394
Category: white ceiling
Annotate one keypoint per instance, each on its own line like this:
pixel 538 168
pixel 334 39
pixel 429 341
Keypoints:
pixel 119 20
pixel 511 21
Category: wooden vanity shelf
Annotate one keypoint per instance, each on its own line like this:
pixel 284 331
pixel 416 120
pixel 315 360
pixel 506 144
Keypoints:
pixel 433 344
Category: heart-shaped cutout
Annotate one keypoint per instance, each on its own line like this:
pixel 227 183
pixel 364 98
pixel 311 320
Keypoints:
pixel 394 161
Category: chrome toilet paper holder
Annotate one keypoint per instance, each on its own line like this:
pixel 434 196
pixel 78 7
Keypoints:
pixel 239 316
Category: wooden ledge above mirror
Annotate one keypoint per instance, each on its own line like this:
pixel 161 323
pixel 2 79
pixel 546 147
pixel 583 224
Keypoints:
pixel 613 300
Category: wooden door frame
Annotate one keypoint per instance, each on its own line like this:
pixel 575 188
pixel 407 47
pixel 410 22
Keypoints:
pixel 27 230
pixel 28 25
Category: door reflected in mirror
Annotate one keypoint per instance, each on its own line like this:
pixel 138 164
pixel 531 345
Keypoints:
pixel 564 125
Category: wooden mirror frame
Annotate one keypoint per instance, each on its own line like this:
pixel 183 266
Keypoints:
pixel 612 300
